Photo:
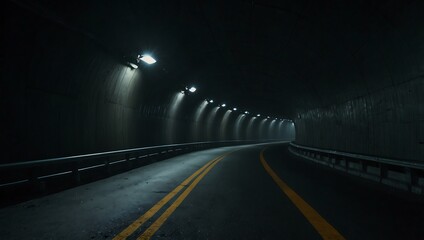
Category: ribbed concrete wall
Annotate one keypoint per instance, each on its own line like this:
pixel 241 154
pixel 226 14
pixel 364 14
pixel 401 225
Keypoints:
pixel 389 123
pixel 63 94
pixel 385 113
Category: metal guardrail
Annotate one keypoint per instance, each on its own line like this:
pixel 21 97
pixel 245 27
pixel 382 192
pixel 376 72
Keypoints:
pixel 49 175
pixel 97 155
pixel 405 175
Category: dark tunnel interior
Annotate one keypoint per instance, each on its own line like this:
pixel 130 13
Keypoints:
pixel 275 116
pixel 348 74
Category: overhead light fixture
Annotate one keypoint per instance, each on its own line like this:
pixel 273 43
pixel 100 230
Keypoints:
pixel 189 90
pixel 147 59
pixel 258 115
pixel 246 112
pixel 211 101
pixel 223 105
pixel 132 61
pixel 133 65
pixel 234 109
pixel 267 117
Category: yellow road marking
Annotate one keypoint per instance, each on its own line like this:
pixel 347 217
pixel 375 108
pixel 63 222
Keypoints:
pixel 152 211
pixel 159 222
pixel 326 231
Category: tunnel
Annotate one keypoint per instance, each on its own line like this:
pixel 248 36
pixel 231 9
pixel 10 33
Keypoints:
pixel 231 119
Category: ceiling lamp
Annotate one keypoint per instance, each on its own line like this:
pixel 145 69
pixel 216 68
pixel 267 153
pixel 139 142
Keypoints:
pixel 147 59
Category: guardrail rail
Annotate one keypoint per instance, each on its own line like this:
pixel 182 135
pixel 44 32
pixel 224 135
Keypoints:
pixel 405 175
pixel 24 180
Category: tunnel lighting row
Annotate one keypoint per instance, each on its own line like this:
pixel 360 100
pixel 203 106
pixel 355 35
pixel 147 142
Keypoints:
pixel 190 89
pixel 148 59
pixel 245 112
pixel 193 89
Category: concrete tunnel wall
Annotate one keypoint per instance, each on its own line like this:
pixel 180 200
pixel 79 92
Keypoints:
pixel 65 94
pixel 388 123
pixel 384 115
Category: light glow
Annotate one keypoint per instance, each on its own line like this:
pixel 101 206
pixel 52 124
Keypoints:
pixel 210 119
pixel 258 115
pixel 238 125
pixel 192 89
pixel 198 116
pixel 148 59
pixel 234 109
pixel 223 105
pixel 224 125
pixel 170 126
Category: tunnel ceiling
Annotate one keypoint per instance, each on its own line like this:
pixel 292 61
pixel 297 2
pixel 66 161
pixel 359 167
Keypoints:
pixel 270 57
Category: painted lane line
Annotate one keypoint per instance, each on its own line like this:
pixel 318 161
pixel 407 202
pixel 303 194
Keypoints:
pixel 152 211
pixel 161 220
pixel 324 228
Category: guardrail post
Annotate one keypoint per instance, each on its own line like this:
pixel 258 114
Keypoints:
pixel 76 173
pixel 333 160
pixel 107 167
pixel 346 162
pixel 38 185
pixel 383 171
pixel 128 161
pixel 363 166
pixel 411 177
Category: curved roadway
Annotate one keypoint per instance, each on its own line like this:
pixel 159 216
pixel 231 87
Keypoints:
pixel 249 192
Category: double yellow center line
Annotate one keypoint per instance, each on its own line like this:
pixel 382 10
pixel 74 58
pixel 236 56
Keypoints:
pixel 197 176
pixel 326 231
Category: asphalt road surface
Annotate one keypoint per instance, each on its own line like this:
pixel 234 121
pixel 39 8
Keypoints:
pixel 248 192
